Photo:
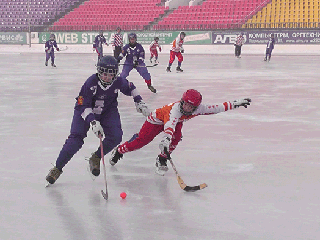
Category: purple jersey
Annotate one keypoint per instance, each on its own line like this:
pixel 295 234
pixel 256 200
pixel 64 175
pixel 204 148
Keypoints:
pixel 271 43
pixel 94 99
pixel 50 45
pixel 98 41
pixel 133 53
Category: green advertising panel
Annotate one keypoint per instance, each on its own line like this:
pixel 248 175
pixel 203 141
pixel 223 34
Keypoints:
pixel 13 38
pixel 192 38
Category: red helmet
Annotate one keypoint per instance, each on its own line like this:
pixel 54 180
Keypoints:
pixel 192 97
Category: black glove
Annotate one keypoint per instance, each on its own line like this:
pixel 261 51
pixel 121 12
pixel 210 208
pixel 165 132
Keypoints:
pixel 135 64
pixel 182 50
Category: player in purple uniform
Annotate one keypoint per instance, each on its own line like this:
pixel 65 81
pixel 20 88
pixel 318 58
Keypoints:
pixel 98 44
pixel 49 49
pixel 97 107
pixel 135 55
pixel 270 47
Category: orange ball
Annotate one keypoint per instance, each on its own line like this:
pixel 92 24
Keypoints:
pixel 123 195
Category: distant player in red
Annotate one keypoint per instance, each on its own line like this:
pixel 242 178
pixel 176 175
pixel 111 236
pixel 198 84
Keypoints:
pixel 153 50
pixel 169 120
pixel 176 51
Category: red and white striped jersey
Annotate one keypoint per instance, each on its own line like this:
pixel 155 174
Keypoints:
pixel 154 45
pixel 169 115
pixel 240 40
pixel 117 40
pixel 177 44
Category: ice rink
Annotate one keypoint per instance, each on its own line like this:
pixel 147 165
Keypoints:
pixel 261 164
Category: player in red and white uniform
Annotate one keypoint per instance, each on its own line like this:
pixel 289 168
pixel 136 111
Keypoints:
pixel 176 51
pixel 153 50
pixel 169 119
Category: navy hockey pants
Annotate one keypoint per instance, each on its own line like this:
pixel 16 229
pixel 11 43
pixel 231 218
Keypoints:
pixel 141 69
pixel 111 124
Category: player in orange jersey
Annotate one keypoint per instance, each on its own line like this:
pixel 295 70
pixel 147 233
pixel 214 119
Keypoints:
pixel 169 119
pixel 153 50
pixel 176 51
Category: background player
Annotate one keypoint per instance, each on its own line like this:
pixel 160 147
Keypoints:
pixel 176 51
pixel 238 45
pixel 270 47
pixel 117 43
pixel 169 119
pixel 135 55
pixel 49 49
pixel 98 44
pixel 153 50
pixel 97 107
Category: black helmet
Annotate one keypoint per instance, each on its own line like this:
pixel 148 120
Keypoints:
pixel 132 36
pixel 107 64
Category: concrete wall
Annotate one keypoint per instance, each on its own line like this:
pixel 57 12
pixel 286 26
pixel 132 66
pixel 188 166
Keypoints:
pixel 176 3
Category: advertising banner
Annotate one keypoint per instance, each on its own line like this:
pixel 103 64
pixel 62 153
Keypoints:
pixel 13 38
pixel 192 38
pixel 262 36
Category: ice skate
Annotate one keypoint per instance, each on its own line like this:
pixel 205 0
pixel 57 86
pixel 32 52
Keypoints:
pixel 94 164
pixel 179 69
pixel 161 165
pixel 152 89
pixel 151 60
pixel 265 59
pixel 168 69
pixel 115 157
pixel 53 175
pixel 53 65
pixel 46 63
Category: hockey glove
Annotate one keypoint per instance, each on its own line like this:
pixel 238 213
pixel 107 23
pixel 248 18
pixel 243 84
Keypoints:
pixel 119 58
pixel 142 108
pixel 165 143
pixel 241 102
pixel 135 64
pixel 58 49
pixel 96 128
pixel 182 51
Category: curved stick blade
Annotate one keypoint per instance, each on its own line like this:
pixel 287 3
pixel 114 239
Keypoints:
pixel 195 188
pixel 104 195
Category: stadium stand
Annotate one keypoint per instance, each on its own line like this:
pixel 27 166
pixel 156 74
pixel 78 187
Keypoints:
pixel 92 15
pixel 108 14
pixel 19 15
pixel 287 14
pixel 211 14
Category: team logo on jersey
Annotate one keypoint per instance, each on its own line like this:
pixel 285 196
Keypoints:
pixel 80 100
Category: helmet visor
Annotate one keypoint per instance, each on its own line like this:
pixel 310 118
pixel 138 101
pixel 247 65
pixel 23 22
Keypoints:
pixel 107 75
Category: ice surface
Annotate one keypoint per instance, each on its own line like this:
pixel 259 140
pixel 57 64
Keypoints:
pixel 261 164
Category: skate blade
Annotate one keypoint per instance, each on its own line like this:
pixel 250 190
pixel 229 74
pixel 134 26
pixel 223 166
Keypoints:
pixel 161 173
pixel 93 177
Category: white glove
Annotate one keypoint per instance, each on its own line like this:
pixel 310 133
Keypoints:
pixel 96 128
pixel 165 143
pixel 241 102
pixel 142 108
